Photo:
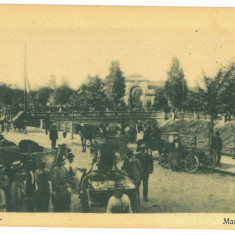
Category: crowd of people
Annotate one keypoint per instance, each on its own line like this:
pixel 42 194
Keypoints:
pixel 29 187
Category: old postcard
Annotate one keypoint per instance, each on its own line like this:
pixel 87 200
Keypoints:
pixel 117 117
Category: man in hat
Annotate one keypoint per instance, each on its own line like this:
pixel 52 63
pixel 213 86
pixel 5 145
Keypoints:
pixel 216 147
pixel 53 137
pixel 17 192
pixel 146 162
pixel 119 202
pixel 42 185
pixel 133 168
pixel 3 185
pixel 61 197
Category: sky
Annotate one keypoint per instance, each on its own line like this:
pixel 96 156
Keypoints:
pixel 71 42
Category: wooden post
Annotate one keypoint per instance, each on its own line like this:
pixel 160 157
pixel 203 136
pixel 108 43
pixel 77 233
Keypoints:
pixel 195 141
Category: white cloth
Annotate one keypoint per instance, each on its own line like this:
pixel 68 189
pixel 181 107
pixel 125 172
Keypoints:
pixel 119 205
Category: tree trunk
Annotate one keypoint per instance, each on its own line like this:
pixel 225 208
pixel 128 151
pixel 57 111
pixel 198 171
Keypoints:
pixel 211 133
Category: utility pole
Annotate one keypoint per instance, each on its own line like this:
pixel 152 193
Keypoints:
pixel 25 78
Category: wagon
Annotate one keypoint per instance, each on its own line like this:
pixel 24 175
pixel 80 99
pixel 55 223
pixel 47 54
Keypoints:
pixel 98 186
pixel 191 158
pixel 13 153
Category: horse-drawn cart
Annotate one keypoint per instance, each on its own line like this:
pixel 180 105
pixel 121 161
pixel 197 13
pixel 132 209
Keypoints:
pixel 190 157
pixel 10 154
pixel 98 186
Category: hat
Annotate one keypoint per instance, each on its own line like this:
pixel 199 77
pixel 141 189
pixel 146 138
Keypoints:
pixel 16 165
pixel 2 168
pixel 70 155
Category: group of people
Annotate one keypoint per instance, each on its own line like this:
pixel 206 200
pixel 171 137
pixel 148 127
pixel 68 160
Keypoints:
pixel 29 187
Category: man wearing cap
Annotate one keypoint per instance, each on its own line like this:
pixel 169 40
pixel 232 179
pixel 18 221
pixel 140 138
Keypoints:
pixel 17 193
pixel 3 185
pixel 42 185
pixel 216 147
pixel 53 137
pixel 61 197
pixel 119 202
pixel 146 162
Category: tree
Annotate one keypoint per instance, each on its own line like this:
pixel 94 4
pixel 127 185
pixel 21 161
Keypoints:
pixel 176 86
pixel 115 84
pixel 161 102
pixel 62 95
pixel 43 95
pixel 217 95
pixel 91 95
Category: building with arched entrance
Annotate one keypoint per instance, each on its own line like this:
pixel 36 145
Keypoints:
pixel 146 92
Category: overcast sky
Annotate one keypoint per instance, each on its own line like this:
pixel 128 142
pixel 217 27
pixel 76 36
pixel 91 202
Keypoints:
pixel 72 42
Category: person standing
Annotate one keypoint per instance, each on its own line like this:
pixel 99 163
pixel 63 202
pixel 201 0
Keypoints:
pixel 17 193
pixel 133 168
pixel 61 197
pixel 72 171
pixel 176 149
pixel 3 185
pixel 30 186
pixel 216 147
pixel 146 162
pixel 140 132
pixel 42 185
pixel 148 133
pixel 53 137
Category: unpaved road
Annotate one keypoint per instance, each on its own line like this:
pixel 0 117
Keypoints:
pixel 168 191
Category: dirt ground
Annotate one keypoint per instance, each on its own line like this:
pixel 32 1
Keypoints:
pixel 168 191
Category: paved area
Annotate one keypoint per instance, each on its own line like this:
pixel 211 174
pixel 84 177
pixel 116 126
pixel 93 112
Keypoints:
pixel 168 191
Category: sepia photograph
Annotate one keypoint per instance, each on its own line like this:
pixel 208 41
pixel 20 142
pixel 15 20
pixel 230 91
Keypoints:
pixel 117 110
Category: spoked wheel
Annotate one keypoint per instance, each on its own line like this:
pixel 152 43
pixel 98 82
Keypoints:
pixel 164 160
pixel 135 203
pixel 86 206
pixel 210 163
pixel 191 163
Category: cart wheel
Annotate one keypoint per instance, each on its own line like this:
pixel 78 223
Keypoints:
pixel 191 163
pixel 210 163
pixel 164 160
pixel 135 203
pixel 85 202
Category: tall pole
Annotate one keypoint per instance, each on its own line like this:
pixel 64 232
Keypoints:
pixel 25 78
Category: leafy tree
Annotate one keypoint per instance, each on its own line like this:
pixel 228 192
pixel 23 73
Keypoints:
pixel 176 86
pixel 115 84
pixel 161 102
pixel 43 95
pixel 91 95
pixel 62 95
pixel 217 95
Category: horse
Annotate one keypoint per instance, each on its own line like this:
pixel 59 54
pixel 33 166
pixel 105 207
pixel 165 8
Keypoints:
pixel 87 132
